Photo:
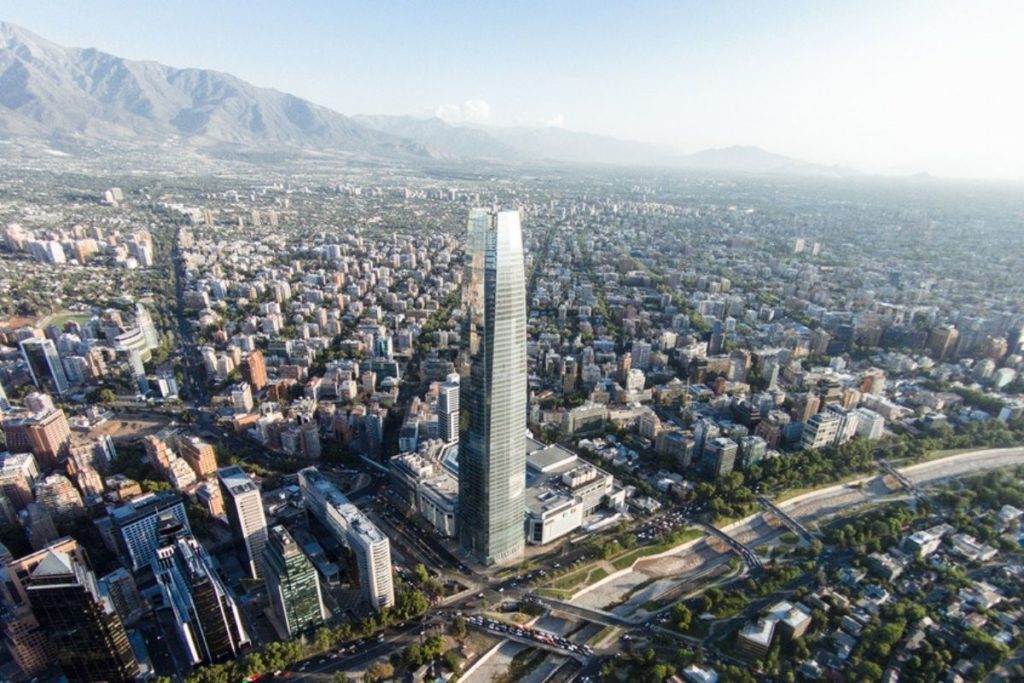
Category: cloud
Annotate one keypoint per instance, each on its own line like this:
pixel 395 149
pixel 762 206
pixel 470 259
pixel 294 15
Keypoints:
pixel 556 121
pixel 470 111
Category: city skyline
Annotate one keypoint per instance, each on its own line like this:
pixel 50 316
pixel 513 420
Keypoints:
pixel 877 87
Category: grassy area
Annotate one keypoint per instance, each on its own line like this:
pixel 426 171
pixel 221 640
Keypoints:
pixel 627 560
pixel 58 319
pixel 554 593
pixel 602 635
pixel 583 577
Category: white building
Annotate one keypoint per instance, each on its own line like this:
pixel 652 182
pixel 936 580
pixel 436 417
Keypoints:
pixel 562 491
pixel 820 431
pixel 870 425
pixel 244 507
pixel 355 530
pixel 448 411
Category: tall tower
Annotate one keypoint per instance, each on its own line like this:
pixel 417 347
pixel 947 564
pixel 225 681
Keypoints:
pixel 492 435
pixel 448 412
pixel 292 584
pixel 244 505
pixel 208 619
pixel 44 364
pixel 83 625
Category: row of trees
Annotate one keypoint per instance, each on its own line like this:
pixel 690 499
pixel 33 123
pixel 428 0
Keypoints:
pixel 409 604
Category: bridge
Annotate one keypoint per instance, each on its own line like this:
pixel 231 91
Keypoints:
pixel 794 526
pixel 595 616
pixel 748 556
pixel 531 642
pixel 900 478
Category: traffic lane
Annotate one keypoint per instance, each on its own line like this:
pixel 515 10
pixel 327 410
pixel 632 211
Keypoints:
pixel 365 654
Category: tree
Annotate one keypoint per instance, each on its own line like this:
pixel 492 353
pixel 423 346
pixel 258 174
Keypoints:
pixel 452 661
pixel 413 656
pixel 682 617
pixel 324 638
pixel 459 628
pixel 107 396
pixel 379 671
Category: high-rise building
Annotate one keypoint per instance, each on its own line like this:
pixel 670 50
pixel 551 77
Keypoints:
pixel 82 624
pixel 352 528
pixel 145 323
pixel 25 639
pixel 820 431
pixel 244 506
pixel 206 616
pixel 38 525
pixel 46 434
pixel 200 455
pixel 135 525
pixel 44 364
pixel 720 456
pixel 492 440
pixel 254 370
pixel 292 584
pixel 448 412
pixel 60 497
pixel 119 586
pixel 18 474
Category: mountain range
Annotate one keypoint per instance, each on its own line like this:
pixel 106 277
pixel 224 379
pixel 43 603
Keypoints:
pixel 72 97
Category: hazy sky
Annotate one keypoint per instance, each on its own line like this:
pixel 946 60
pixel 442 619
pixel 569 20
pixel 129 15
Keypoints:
pixel 883 86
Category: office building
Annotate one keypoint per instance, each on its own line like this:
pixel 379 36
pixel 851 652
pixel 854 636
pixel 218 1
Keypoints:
pixel 31 650
pixel 492 443
pixel 353 529
pixel 870 425
pixel 448 412
pixel 82 624
pixel 119 586
pixel 820 431
pixel 44 365
pixel 720 456
pixel 292 584
pixel 135 525
pixel 244 507
pixel 206 616
pixel 38 525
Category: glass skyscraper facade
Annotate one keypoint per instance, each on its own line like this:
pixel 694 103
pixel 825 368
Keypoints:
pixel 292 583
pixel 492 434
pixel 44 364
pixel 83 625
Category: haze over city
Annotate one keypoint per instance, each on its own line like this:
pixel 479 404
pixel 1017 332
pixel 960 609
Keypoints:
pixel 543 343
pixel 875 87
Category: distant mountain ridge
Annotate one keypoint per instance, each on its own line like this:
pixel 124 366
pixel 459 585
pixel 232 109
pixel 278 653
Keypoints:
pixel 84 96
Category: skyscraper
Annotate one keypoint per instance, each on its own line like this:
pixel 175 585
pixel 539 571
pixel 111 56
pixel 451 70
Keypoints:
pixel 83 625
pixel 448 412
pixel 292 583
pixel 135 524
pixel 492 438
pixel 25 639
pixel 244 505
pixel 44 364
pixel 206 615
